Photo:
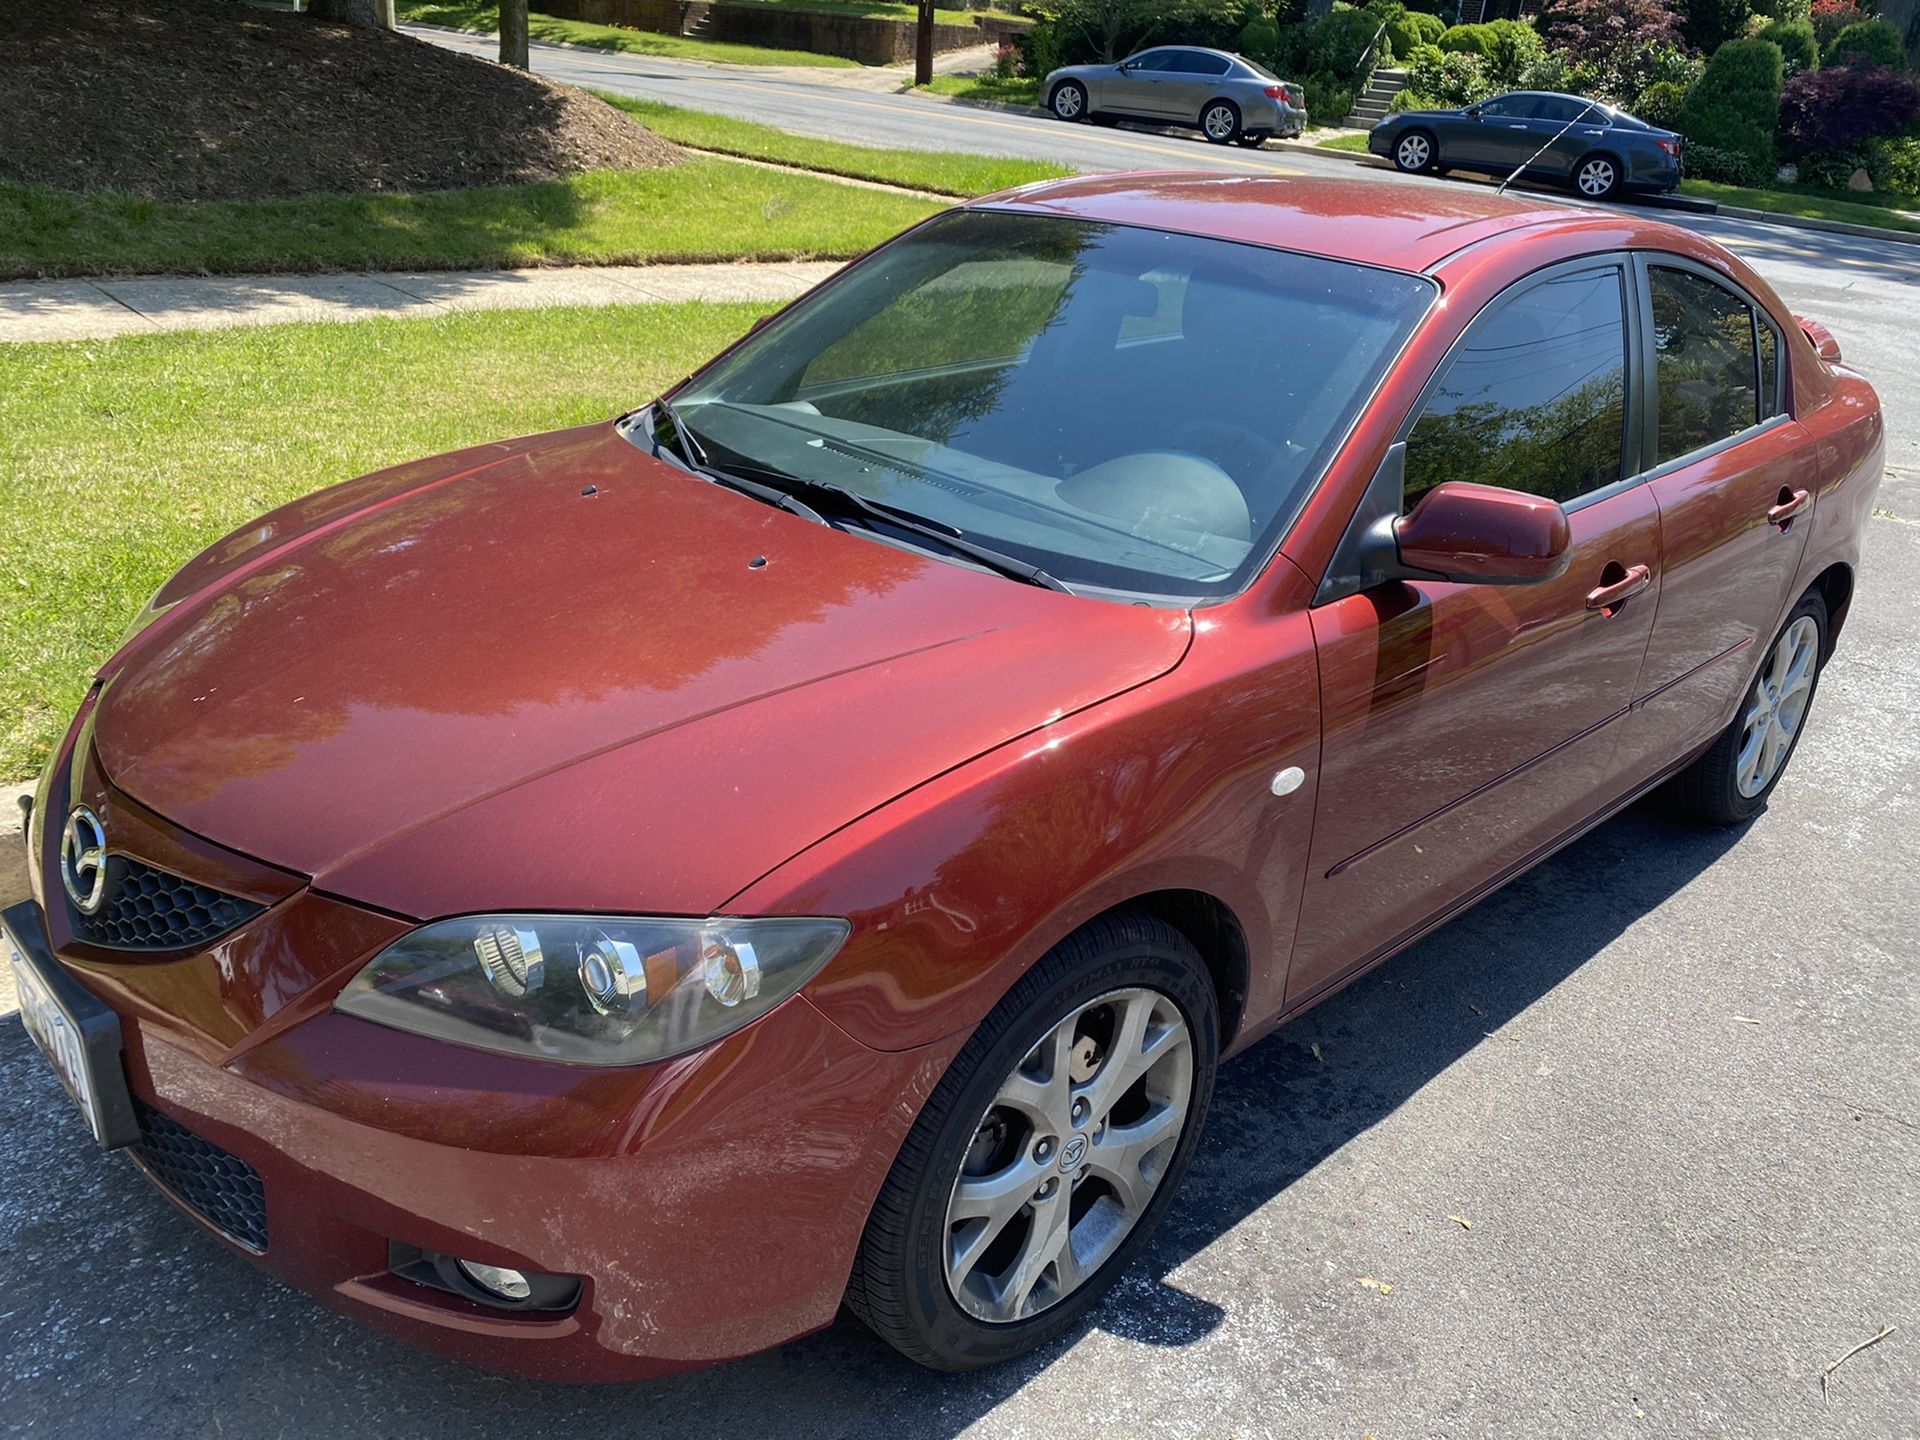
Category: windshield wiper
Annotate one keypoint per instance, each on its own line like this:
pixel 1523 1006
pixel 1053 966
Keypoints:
pixel 693 456
pixel 849 502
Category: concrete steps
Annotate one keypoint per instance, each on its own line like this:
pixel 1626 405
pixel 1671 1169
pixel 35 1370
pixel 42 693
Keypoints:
pixel 696 20
pixel 1370 107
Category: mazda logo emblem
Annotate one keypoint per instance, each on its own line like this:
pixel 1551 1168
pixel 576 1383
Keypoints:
pixel 1073 1152
pixel 83 860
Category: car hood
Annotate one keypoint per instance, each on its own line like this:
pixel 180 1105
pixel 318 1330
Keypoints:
pixel 559 673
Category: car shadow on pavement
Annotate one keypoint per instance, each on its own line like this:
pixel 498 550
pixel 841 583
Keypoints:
pixel 200 1343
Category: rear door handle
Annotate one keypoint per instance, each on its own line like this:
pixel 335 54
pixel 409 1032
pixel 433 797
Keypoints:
pixel 1791 503
pixel 1608 597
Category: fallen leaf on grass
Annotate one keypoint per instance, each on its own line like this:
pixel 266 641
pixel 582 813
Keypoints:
pixel 1746 1020
pixel 1461 1221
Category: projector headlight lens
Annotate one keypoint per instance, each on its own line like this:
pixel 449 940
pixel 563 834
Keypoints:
pixel 586 989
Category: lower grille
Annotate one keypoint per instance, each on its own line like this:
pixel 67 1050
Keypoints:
pixel 221 1189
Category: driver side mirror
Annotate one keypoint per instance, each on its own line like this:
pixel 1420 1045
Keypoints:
pixel 1484 535
pixel 1473 112
pixel 1124 66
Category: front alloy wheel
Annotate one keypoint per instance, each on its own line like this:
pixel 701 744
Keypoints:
pixel 1047 1153
pixel 1069 1154
pixel 1070 100
pixel 1414 153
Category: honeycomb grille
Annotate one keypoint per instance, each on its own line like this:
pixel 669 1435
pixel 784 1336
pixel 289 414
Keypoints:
pixel 148 909
pixel 221 1189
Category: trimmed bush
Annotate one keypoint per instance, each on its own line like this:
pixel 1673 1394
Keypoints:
pixel 1414 28
pixel 1410 99
pixel 1735 104
pixel 1709 24
pixel 1329 98
pixel 1661 103
pixel 1867 42
pixel 1260 37
pixel 1832 169
pixel 1844 106
pixel 1894 163
pixel 1799 51
pixel 1728 167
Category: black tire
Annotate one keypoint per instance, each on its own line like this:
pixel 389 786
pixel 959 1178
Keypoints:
pixel 1074 107
pixel 1596 166
pixel 1415 152
pixel 1224 130
pixel 1709 789
pixel 899 1283
pixel 1253 139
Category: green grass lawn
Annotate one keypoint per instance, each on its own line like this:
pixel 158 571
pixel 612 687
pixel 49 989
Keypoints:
pixel 703 209
pixel 1355 143
pixel 987 87
pixel 120 459
pixel 484 19
pixel 944 173
pixel 1841 205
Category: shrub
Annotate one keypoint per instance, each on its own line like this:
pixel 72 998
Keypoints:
pixel 1616 48
pixel 1788 11
pixel 1455 77
pixel 1866 42
pixel 1549 70
pixel 1329 98
pixel 1259 38
pixel 1660 104
pixel 1830 17
pixel 1414 28
pixel 1516 45
pixel 1847 105
pixel 1831 169
pixel 1410 99
pixel 1735 104
pixel 1709 24
pixel 1894 163
pixel 1729 167
pixel 1468 40
pixel 1798 49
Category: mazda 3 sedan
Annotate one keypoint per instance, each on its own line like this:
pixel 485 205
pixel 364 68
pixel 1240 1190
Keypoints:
pixel 1593 149
pixel 594 904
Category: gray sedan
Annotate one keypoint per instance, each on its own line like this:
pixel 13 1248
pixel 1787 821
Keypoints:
pixel 1225 97
pixel 1592 147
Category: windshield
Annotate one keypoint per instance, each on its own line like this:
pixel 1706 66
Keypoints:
pixel 1127 409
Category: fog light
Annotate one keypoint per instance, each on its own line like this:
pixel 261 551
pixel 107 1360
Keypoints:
pixel 497 1280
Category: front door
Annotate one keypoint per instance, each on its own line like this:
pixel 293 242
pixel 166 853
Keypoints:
pixel 1465 727
pixel 1498 138
pixel 1734 476
pixel 1138 84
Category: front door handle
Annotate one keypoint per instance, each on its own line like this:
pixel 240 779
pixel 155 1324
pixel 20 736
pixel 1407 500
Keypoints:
pixel 1614 594
pixel 1790 504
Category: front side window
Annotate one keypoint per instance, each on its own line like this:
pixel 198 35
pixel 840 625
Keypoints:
pixel 1535 398
pixel 1151 60
pixel 1128 409
pixel 1508 107
pixel 1705 366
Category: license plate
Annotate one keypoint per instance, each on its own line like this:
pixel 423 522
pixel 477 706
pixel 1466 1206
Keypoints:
pixel 79 1036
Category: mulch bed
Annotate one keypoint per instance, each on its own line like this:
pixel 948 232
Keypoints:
pixel 213 99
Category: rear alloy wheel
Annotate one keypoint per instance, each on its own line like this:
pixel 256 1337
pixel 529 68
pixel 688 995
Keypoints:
pixel 1597 177
pixel 1731 782
pixel 1048 1153
pixel 1220 122
pixel 1069 100
pixel 1414 152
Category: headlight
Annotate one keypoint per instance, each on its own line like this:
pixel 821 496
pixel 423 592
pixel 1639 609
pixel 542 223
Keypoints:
pixel 587 989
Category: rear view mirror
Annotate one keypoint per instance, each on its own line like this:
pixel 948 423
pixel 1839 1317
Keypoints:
pixel 1484 535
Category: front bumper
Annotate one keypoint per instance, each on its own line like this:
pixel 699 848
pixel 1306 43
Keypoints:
pixel 711 1204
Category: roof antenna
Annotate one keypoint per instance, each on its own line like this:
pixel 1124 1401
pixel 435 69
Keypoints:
pixel 1591 104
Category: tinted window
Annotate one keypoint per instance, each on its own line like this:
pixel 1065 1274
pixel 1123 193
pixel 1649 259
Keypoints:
pixel 1536 399
pixel 1126 408
pixel 1560 109
pixel 1507 107
pixel 1151 60
pixel 1194 62
pixel 1705 365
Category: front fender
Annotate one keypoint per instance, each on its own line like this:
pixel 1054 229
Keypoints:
pixel 956 888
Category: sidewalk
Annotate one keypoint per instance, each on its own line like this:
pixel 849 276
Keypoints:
pixel 99 309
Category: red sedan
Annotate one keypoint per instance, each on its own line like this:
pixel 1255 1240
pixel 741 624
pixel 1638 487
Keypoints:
pixel 593 904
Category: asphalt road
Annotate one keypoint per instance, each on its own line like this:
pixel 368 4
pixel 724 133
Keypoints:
pixel 1669 1078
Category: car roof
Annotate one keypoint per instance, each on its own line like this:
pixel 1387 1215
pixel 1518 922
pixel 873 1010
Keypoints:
pixel 1388 223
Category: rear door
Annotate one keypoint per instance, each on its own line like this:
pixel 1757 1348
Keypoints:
pixel 1466 727
pixel 1193 78
pixel 1735 477
pixel 1567 128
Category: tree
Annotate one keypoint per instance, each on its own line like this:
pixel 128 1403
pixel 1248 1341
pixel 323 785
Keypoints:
pixel 1112 29
pixel 1711 23
pixel 513 34
pixel 923 45
pixel 368 14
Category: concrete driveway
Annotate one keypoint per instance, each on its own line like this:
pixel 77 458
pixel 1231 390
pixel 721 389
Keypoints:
pixel 1669 1078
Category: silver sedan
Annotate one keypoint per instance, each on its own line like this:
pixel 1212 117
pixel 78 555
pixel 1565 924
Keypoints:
pixel 1225 97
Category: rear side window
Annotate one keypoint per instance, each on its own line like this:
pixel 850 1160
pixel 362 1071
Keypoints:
pixel 1192 62
pixel 1536 398
pixel 1560 109
pixel 1706 365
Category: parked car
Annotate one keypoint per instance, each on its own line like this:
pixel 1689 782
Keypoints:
pixel 1595 149
pixel 592 903
pixel 1225 97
